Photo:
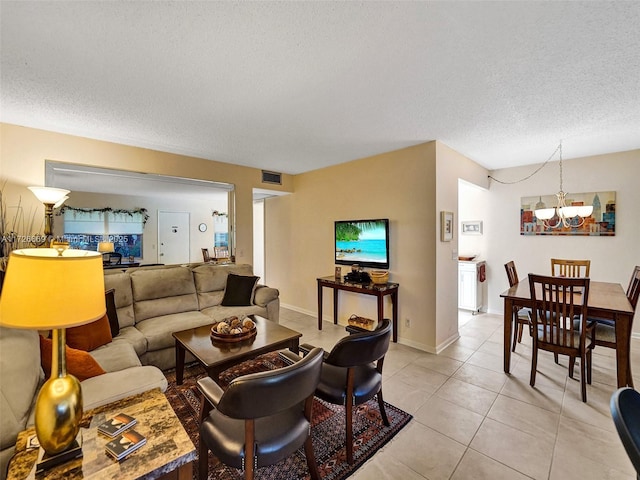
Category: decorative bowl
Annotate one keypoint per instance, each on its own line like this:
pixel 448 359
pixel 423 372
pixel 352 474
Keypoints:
pixel 243 328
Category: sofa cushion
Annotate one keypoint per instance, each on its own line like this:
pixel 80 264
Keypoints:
pixel 79 364
pixel 239 290
pixel 134 337
pixel 211 280
pixel 158 330
pixel 219 312
pixel 21 376
pixel 120 282
pixel 115 386
pixel 116 356
pixel 158 292
pixel 90 336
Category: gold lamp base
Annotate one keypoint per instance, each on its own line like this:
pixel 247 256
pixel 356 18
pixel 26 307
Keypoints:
pixel 59 405
pixel 46 461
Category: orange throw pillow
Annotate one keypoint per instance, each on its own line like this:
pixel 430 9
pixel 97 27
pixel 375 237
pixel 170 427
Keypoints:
pixel 90 336
pixel 79 364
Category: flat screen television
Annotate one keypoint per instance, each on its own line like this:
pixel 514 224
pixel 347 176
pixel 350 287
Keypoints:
pixel 365 242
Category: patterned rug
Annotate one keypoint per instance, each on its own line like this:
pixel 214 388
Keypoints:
pixel 328 429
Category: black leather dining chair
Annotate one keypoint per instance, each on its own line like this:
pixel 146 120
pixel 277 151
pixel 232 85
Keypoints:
pixel 261 418
pixel 352 374
pixel 625 411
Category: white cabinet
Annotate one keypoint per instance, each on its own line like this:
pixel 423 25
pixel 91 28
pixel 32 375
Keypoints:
pixel 470 285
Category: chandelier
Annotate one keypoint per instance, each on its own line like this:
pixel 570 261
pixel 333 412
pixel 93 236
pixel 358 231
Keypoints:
pixel 561 215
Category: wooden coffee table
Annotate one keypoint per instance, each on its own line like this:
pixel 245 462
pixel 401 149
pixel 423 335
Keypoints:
pixel 216 357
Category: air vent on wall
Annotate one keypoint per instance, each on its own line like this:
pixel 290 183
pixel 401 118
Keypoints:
pixel 271 177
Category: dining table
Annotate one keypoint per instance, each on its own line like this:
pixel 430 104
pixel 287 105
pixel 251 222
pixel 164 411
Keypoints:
pixel 606 300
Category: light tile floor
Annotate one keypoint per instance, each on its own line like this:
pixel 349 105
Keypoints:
pixel 472 421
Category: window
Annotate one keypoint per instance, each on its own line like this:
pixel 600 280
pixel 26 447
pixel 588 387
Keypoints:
pixel 85 227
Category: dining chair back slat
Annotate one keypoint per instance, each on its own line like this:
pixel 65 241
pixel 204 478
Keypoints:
pixel 570 268
pixel 633 292
pixel 521 315
pixel 606 329
pixel 512 273
pixel 559 318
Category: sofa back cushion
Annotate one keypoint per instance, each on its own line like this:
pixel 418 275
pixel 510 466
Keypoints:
pixel 121 283
pixel 163 291
pixel 211 280
pixel 21 376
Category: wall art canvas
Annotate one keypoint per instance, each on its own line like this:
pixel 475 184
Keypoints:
pixel 601 223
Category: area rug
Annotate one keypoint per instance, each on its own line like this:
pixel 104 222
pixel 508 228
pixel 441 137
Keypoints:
pixel 328 428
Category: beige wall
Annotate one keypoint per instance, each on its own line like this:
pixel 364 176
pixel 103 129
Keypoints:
pixel 409 187
pixel 612 258
pixel 23 152
pixel 451 166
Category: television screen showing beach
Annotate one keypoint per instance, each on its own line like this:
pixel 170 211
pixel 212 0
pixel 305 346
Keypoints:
pixel 361 242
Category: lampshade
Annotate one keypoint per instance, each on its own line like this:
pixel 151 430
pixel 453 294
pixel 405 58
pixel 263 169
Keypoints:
pixel 105 247
pixel 49 194
pixel 61 201
pixel 44 289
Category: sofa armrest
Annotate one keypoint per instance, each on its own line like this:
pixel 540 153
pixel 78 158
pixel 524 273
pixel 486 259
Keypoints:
pixel 263 295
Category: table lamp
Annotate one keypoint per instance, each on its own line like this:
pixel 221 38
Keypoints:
pixel 45 289
pixel 105 247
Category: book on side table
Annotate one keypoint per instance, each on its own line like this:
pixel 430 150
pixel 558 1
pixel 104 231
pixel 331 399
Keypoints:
pixel 116 425
pixel 124 444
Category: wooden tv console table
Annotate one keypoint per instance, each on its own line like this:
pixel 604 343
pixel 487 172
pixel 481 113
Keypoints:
pixel 378 290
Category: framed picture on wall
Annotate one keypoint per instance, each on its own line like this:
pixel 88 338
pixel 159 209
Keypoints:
pixel 472 228
pixel 446 226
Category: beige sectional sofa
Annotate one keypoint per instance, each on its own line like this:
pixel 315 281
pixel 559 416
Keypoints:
pixel 154 302
pixel 151 304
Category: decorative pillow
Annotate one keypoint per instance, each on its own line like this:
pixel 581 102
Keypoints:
pixel 79 364
pixel 93 335
pixel 239 290
pixel 90 336
pixel 112 313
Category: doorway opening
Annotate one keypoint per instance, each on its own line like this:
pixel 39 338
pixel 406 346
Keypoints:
pixel 473 203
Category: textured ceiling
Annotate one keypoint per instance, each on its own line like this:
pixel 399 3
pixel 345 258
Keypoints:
pixel 295 86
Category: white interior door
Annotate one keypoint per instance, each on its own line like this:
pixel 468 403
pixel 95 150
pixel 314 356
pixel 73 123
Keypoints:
pixel 173 237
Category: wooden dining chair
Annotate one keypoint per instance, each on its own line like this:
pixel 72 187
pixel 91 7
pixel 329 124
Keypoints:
pixel 570 268
pixel 221 252
pixel 521 315
pixel 560 324
pixel 205 255
pixel 606 329
pixel 115 258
